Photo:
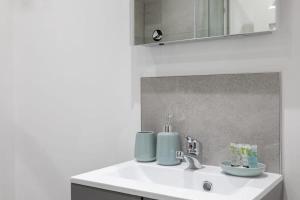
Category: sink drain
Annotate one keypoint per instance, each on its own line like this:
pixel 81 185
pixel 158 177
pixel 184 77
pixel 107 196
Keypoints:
pixel 207 186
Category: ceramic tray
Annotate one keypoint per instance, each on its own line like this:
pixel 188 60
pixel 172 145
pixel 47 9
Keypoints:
pixel 242 171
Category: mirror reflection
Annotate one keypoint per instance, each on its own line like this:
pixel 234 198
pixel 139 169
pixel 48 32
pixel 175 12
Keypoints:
pixel 163 21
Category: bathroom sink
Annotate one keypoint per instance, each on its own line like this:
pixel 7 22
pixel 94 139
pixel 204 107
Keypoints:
pixel 176 182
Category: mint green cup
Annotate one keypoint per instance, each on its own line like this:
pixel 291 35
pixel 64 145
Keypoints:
pixel 145 146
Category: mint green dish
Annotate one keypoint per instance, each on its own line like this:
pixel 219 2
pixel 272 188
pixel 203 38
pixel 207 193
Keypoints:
pixel 145 146
pixel 243 172
pixel 167 145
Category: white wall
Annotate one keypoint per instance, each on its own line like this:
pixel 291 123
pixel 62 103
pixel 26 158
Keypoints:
pixel 75 106
pixel 6 102
pixel 77 90
pixel 266 53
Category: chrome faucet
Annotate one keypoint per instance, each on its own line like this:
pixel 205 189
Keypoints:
pixel 192 155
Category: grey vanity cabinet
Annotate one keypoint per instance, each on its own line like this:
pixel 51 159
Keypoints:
pixel 80 192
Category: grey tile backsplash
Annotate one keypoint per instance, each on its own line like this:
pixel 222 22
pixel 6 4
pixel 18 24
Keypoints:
pixel 218 110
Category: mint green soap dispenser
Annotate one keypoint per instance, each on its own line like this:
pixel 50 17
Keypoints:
pixel 168 143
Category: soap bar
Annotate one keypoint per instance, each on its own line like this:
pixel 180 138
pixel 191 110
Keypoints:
pixel 167 145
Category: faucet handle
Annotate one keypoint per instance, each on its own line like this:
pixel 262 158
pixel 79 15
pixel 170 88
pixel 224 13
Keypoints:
pixel 188 138
pixel 189 141
pixel 193 145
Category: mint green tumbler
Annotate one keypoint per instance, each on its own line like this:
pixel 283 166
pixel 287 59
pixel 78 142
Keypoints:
pixel 145 146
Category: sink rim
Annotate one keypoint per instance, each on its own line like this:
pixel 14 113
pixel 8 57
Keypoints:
pixel 100 179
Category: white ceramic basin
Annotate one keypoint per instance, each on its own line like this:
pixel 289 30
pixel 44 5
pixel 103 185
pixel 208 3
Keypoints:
pixel 170 183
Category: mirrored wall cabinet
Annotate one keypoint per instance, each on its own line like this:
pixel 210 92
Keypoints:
pixel 168 21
